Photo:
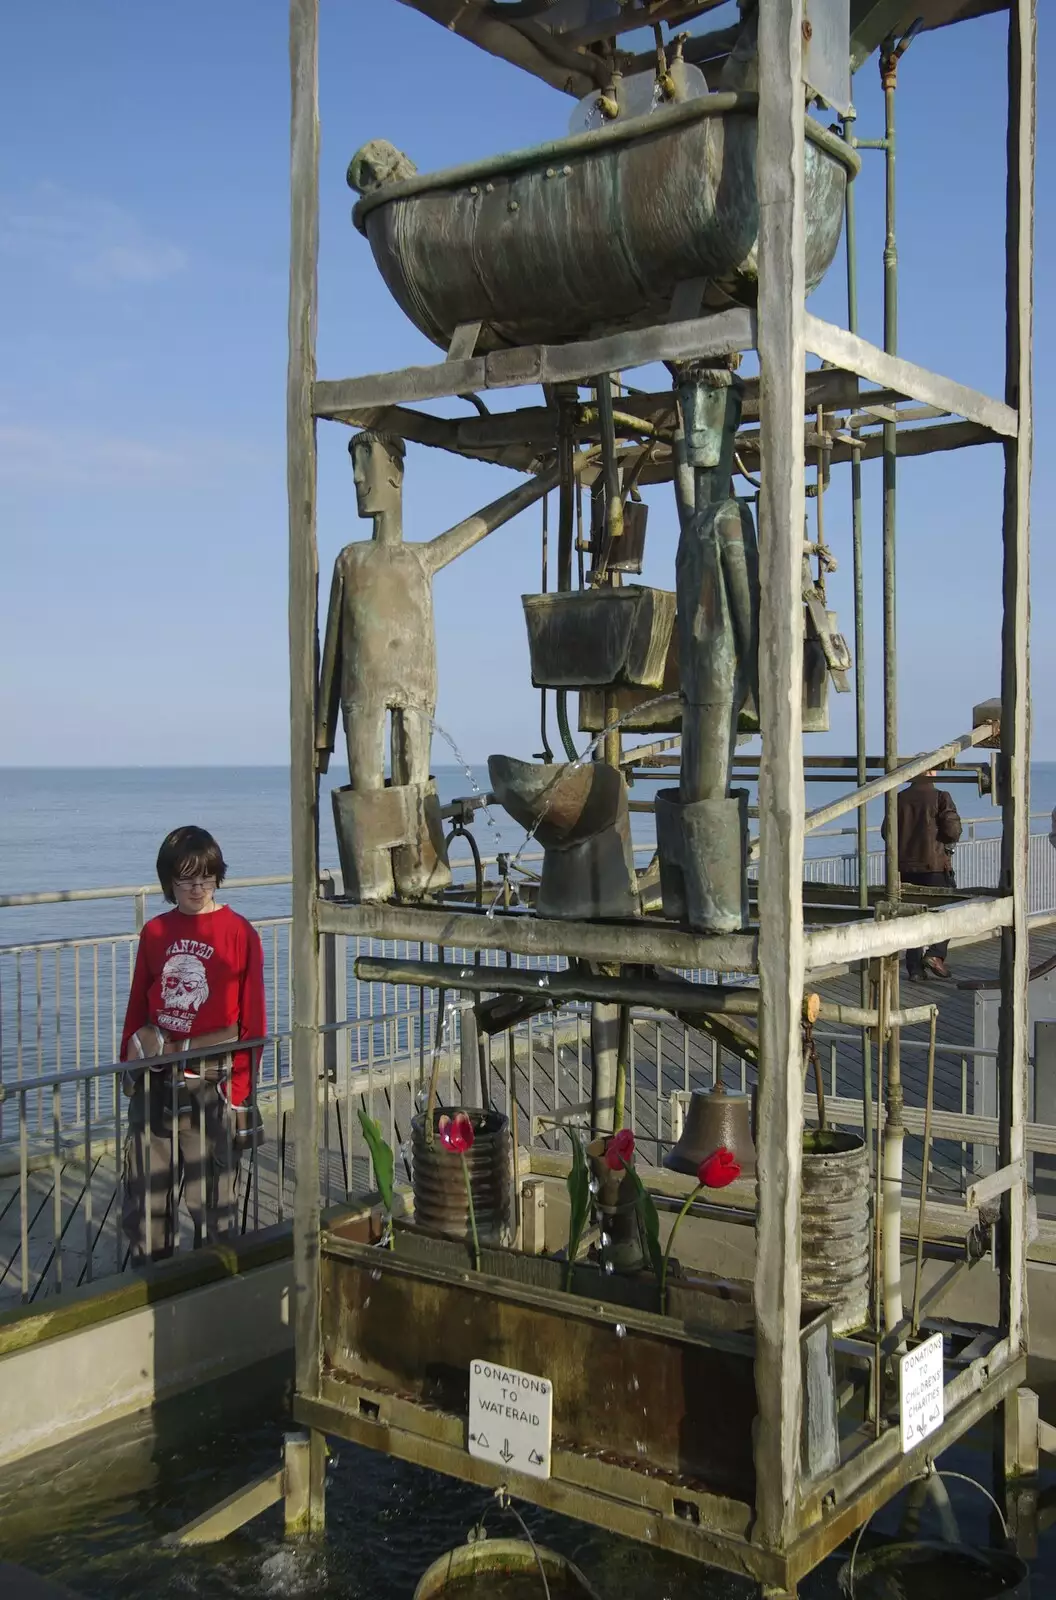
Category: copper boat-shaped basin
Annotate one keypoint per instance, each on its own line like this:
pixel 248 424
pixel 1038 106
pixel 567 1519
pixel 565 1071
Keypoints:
pixel 596 231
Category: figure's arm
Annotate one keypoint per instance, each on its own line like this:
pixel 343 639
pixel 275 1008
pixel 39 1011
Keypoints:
pixel 137 1011
pixel 463 536
pixel 328 699
pixel 948 819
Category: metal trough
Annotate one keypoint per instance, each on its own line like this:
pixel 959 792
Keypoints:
pixel 595 231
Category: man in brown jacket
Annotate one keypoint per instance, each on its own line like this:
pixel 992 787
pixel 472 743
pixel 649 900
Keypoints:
pixel 928 829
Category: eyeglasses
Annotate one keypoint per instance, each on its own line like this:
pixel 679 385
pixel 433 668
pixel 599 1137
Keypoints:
pixel 194 883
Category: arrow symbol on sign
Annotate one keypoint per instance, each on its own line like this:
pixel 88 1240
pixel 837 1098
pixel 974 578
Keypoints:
pixel 506 1454
pixel 536 1459
pixel 481 1440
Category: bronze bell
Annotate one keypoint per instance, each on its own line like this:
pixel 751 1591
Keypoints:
pixel 715 1118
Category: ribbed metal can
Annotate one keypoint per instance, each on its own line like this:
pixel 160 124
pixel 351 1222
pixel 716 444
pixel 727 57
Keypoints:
pixel 835 1225
pixel 440 1204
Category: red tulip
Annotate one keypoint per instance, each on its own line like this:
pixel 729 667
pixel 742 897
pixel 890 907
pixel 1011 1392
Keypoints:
pixel 456 1133
pixel 620 1150
pixel 718 1169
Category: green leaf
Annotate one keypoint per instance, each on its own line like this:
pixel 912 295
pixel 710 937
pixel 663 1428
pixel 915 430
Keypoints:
pixel 650 1222
pixel 652 1231
pixel 578 1185
pixel 380 1155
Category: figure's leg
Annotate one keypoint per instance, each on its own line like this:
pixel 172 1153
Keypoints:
pixel 147 1197
pixel 221 1164
pixel 365 737
pixel 412 743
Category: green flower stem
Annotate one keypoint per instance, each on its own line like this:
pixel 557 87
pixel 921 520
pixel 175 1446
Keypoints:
pixel 670 1241
pixel 472 1213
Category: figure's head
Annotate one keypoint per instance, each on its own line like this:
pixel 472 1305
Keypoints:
pixel 377 462
pixel 191 868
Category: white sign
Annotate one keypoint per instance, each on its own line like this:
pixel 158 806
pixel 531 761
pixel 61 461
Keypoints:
pixel 510 1417
pixel 920 1388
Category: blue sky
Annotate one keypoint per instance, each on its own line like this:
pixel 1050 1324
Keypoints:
pixel 143 261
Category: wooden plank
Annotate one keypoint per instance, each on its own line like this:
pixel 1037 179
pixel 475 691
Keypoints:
pixel 531 936
pixel 995 1183
pixel 718 335
pixel 303 632
pixel 854 354
pixel 859 941
pixel 782 291
pixel 232 1513
pixel 1015 659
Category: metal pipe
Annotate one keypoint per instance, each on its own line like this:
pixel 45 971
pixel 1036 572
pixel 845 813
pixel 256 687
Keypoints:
pixel 567 400
pixel 613 500
pixel 926 1163
pixel 894 1152
pixel 888 79
pixel 860 718
pixel 666 993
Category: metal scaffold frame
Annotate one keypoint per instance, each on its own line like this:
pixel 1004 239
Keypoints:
pixel 784 951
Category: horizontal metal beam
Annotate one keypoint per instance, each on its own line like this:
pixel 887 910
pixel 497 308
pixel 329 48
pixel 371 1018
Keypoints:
pixel 723 334
pixel 525 935
pixel 854 354
pixel 862 941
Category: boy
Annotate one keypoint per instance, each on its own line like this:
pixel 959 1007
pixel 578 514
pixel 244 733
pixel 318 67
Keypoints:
pixel 198 981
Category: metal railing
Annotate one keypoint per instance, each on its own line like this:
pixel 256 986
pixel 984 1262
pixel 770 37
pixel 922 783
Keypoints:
pixel 63 1117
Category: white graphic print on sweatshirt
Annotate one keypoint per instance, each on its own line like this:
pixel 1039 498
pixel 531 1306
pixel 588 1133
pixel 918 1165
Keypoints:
pixel 184 985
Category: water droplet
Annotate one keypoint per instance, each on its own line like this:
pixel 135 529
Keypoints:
pixel 606 1240
pixel 376 1274
pixel 608 1266
pixel 421 1099
pixel 466 972
pixel 639 1445
pixel 366 1302
pixel 594 1186
pixel 544 982
pixel 634 1384
pixel 621 1331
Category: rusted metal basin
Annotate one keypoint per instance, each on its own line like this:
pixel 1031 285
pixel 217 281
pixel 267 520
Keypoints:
pixel 558 804
pixel 595 232
pixel 439 1184
pixel 599 637
pixel 835 1226
pixel 935 1571
pixel 503 1567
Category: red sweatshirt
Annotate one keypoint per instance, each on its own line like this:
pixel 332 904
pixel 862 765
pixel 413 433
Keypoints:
pixel 195 975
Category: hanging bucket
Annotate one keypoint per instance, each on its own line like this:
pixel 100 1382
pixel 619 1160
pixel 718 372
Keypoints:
pixel 927 1570
pixel 439 1184
pixel 507 1569
pixel 834 1226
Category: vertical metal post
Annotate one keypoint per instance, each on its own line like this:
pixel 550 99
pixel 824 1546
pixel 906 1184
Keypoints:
pixel 1015 662
pixel 888 77
pixel 781 958
pixel 301 484
pixel 860 718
